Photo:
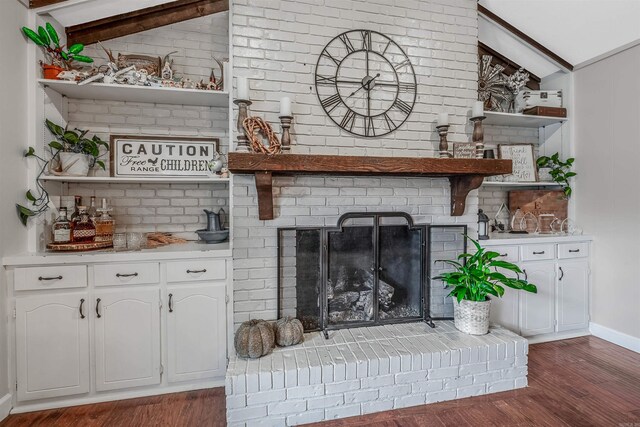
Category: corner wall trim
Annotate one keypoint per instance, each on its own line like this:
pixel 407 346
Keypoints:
pixel 611 335
pixel 5 406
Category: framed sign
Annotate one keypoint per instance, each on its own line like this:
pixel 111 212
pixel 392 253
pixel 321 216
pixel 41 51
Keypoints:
pixel 162 157
pixel 524 164
pixel 464 150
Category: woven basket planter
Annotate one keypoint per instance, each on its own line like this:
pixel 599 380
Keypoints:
pixel 471 317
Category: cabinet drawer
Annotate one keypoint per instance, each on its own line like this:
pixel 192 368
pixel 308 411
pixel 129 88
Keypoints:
pixel 56 277
pixel 573 250
pixel 126 274
pixel 507 253
pixel 538 252
pixel 197 270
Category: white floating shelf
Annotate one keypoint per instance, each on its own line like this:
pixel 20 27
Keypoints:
pixel 123 180
pixel 156 95
pixel 518 184
pixel 520 120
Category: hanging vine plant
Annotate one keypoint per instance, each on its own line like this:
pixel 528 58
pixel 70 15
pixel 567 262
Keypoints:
pixel 39 202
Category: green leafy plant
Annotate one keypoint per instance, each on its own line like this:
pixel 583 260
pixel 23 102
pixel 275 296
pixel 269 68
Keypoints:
pixel 560 171
pixel 67 140
pixel 75 141
pixel 477 275
pixel 47 38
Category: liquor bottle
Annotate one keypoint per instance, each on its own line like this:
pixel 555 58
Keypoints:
pixel 74 214
pixel 83 229
pixel 105 224
pixel 93 213
pixel 62 228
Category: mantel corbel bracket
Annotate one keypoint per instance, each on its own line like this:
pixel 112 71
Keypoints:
pixel 461 185
pixel 264 188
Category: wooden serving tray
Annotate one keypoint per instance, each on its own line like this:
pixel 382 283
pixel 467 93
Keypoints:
pixel 77 247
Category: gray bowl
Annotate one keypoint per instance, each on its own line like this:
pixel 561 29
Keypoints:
pixel 213 236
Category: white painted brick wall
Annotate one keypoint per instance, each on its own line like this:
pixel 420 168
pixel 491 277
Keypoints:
pixel 276 45
pixel 160 207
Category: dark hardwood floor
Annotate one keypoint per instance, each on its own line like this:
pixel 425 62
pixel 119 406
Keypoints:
pixel 578 382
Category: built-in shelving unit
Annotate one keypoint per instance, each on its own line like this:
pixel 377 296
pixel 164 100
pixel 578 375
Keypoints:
pixel 520 120
pixel 156 95
pixel 130 180
pixel 518 184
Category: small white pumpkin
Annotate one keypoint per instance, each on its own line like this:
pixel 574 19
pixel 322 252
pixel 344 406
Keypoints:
pixel 289 331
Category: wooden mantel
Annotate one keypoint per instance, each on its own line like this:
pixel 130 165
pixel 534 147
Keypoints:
pixel 464 174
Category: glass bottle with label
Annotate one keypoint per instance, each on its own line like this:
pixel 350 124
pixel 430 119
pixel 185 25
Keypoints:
pixel 83 230
pixel 74 214
pixel 105 224
pixel 62 228
pixel 93 212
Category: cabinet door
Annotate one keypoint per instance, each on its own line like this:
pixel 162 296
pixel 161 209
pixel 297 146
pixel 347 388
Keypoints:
pixel 127 338
pixel 505 310
pixel 573 295
pixel 537 311
pixel 52 346
pixel 196 339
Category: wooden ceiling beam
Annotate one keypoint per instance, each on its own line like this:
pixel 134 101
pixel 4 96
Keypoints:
pixel 143 20
pixel 33 4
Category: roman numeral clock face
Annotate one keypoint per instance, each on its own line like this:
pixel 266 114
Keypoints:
pixel 365 83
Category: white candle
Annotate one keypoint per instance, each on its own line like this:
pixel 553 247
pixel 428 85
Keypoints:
pixel 443 119
pixel 285 106
pixel 242 88
pixel 478 109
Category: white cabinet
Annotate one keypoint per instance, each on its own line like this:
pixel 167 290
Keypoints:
pixel 537 311
pixel 127 338
pixel 52 345
pixel 505 310
pixel 196 332
pixel 573 291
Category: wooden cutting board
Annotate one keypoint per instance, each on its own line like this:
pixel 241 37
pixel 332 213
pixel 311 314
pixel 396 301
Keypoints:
pixel 539 202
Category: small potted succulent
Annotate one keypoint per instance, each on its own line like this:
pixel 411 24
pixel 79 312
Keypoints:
pixel 553 169
pixel 76 153
pixel 57 57
pixel 474 281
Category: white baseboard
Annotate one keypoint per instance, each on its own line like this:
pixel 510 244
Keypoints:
pixel 557 336
pixel 611 335
pixel 5 406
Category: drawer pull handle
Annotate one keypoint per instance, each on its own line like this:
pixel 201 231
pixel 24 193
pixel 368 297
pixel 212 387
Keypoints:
pixel 561 273
pixel 573 251
pixel 98 308
pixel 82 316
pixel 504 254
pixel 204 270
pixel 127 275
pixel 539 253
pixel 526 277
pixel 50 278
pixel 170 303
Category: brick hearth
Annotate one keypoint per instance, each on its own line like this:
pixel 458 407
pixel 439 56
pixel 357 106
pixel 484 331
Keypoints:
pixel 366 370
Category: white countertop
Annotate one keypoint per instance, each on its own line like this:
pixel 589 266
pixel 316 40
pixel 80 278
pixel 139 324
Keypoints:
pixel 191 250
pixel 496 239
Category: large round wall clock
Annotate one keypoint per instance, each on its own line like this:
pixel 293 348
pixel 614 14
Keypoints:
pixel 365 83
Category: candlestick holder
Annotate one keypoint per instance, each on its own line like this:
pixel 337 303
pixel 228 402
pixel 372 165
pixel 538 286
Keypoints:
pixel 444 145
pixel 285 121
pixel 478 135
pixel 243 141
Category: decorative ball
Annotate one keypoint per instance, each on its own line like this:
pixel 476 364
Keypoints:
pixel 289 331
pixel 254 339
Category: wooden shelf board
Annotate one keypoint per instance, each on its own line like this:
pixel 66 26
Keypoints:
pixel 125 180
pixel 464 174
pixel 518 184
pixel 520 120
pixel 156 95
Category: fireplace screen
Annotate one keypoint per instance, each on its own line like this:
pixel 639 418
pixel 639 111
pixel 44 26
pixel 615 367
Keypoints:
pixel 370 269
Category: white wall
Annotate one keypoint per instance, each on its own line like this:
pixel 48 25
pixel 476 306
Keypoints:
pixel 13 127
pixel 607 135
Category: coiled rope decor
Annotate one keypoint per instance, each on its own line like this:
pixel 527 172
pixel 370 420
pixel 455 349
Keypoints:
pixel 254 127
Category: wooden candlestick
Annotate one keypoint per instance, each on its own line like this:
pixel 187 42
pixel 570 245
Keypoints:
pixel 478 135
pixel 243 141
pixel 285 121
pixel 444 145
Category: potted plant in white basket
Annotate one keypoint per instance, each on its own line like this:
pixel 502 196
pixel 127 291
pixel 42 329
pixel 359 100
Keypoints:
pixel 76 153
pixel 474 281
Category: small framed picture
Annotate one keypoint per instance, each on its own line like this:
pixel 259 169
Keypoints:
pixel 464 150
pixel 523 159
pixel 162 157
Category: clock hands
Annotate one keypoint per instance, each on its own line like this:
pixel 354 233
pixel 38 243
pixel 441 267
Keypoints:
pixel 366 84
